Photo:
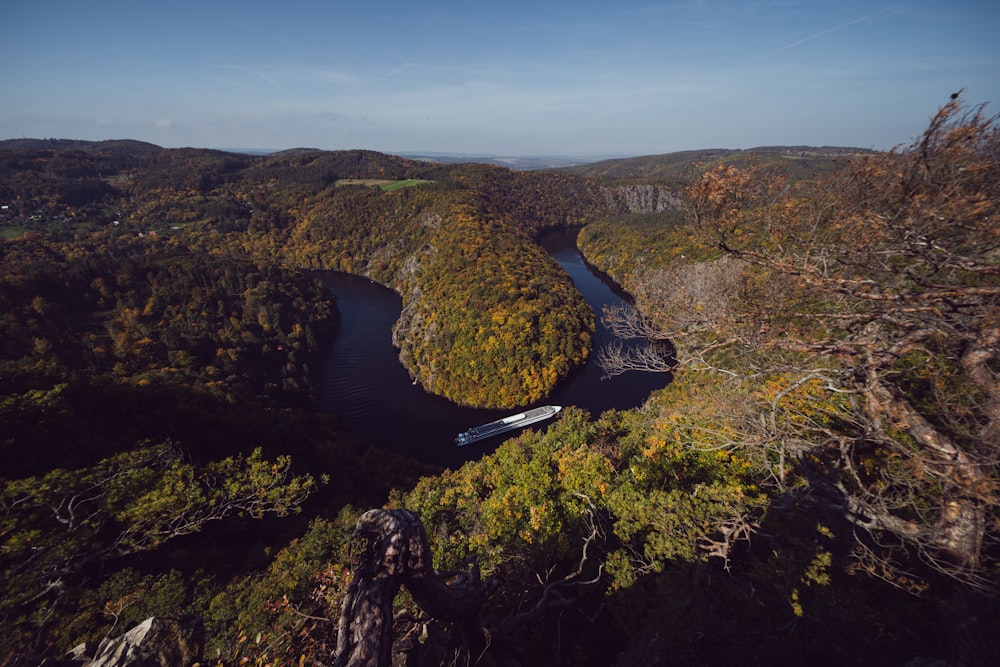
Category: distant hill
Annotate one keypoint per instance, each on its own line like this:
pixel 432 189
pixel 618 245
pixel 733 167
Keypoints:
pixel 518 163
pixel 112 146
pixel 676 168
pixel 796 161
pixel 312 165
pixel 672 170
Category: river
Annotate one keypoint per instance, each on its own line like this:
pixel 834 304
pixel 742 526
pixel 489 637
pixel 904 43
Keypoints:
pixel 364 383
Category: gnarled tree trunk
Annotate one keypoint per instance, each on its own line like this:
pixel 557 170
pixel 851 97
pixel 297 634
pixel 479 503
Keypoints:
pixel 396 553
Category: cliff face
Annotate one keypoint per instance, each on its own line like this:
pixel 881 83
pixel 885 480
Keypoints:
pixel 642 198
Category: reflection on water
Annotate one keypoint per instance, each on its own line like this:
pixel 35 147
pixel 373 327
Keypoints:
pixel 365 384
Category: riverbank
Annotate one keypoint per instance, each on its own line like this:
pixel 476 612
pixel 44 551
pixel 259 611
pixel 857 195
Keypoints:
pixel 366 386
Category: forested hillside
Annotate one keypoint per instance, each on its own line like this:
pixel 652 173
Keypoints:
pixel 818 484
pixel 311 209
pixel 795 162
pixel 160 333
pixel 851 323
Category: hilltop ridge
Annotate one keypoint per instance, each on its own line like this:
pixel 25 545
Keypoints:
pixel 680 166
pixel 657 165
pixel 114 146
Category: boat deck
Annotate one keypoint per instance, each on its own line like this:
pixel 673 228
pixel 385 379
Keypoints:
pixel 510 423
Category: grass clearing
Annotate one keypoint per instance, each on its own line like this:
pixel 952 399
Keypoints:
pixel 12 231
pixel 383 184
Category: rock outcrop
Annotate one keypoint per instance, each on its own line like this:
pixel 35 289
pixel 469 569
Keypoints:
pixel 642 198
pixel 156 642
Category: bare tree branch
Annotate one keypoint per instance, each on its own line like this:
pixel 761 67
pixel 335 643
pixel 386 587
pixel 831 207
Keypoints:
pixel 617 358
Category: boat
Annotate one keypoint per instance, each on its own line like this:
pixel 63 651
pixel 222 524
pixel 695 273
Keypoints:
pixel 532 416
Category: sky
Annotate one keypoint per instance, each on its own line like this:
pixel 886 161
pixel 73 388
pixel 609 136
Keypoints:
pixel 510 77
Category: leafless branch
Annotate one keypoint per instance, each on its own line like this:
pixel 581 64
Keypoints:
pixel 617 358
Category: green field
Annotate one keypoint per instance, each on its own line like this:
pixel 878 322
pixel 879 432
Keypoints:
pixel 383 184
pixel 11 232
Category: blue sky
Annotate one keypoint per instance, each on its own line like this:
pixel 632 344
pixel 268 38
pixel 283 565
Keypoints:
pixel 518 78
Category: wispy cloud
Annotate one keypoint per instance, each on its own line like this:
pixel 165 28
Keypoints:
pixel 332 75
pixel 243 76
pixel 394 72
pixel 230 80
pixel 827 31
pixel 270 80
pixel 280 77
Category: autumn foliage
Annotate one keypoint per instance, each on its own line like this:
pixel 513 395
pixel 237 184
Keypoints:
pixel 817 485
pixel 866 303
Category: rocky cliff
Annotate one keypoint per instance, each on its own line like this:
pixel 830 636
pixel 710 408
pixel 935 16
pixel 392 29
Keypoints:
pixel 642 198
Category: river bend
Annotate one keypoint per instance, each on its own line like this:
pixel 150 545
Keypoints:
pixel 364 383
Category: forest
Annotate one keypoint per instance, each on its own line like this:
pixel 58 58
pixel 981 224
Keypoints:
pixel 818 484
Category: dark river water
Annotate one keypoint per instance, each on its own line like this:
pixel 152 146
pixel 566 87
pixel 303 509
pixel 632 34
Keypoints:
pixel 364 383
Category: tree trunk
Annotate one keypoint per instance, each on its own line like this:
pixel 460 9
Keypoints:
pixel 958 530
pixel 396 553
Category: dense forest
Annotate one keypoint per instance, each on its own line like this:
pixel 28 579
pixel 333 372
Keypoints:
pixel 819 482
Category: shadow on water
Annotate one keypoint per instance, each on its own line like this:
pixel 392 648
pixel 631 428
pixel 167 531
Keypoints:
pixel 365 384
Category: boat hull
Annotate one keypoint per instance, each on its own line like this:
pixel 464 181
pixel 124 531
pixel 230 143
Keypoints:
pixel 515 421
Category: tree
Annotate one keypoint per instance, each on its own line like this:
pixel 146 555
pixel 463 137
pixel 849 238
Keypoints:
pixel 55 526
pixel 866 310
pixel 695 299
pixel 394 551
